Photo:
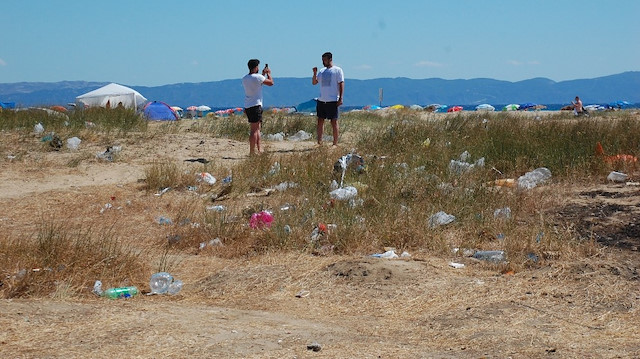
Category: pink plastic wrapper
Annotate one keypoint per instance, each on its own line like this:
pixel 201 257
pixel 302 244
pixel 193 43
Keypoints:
pixel 261 220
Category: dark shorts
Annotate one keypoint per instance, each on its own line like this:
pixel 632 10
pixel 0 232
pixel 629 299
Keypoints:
pixel 327 110
pixel 254 114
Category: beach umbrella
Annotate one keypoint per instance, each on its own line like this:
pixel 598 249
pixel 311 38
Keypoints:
pixel 203 108
pixel 59 108
pixel 176 108
pixel 511 107
pixel 485 107
pixel 454 109
pixel 526 105
pixel 192 108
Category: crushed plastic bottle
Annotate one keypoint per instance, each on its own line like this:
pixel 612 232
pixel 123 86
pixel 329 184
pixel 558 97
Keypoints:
pixel 534 178
pixel 175 287
pixel 618 177
pixel 502 213
pixel 73 143
pixel 160 282
pixel 343 194
pixel 440 219
pixel 207 178
pixel 38 128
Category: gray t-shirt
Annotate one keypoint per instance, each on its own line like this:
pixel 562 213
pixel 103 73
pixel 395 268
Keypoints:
pixel 329 78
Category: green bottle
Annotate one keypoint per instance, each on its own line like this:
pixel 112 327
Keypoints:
pixel 122 292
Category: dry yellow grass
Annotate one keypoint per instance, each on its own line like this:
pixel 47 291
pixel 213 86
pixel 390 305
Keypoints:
pixel 580 300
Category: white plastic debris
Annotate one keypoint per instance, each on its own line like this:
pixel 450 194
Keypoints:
pixel 440 219
pixel 207 178
pixel 617 177
pixel 73 143
pixel 343 194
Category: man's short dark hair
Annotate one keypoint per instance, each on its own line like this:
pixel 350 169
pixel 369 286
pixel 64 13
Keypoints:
pixel 328 55
pixel 253 63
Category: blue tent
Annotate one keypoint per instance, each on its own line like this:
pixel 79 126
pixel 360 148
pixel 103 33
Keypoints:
pixel 159 111
pixel 7 105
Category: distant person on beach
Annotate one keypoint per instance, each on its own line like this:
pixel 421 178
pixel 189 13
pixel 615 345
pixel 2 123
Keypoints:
pixel 252 83
pixel 577 107
pixel 331 79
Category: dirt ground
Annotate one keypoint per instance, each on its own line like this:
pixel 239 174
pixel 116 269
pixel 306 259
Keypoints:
pixel 285 305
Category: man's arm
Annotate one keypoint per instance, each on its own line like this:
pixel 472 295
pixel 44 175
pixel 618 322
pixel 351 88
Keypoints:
pixel 340 92
pixel 314 79
pixel 269 80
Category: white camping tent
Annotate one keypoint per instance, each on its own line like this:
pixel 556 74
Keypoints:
pixel 112 95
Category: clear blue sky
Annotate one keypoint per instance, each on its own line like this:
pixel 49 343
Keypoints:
pixel 151 43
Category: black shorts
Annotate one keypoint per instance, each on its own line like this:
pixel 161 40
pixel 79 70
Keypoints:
pixel 254 114
pixel 327 110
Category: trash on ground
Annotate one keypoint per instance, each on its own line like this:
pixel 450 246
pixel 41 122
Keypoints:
pixel 303 293
pixel 109 153
pixel 440 219
pixel 275 137
pixel 300 136
pixel 73 143
pixel 504 213
pixel 114 293
pixel 490 256
pixel 617 177
pixel 461 166
pixel 163 282
pixel 391 254
pixel 275 168
pixel 261 220
pixel 456 265
pixel 216 242
pixel 164 220
pixel 217 208
pixel 314 346
pixel 343 194
pixel 505 182
pixel 534 178
pixel 285 185
pixel 206 177
pixel 38 128
pixel 162 191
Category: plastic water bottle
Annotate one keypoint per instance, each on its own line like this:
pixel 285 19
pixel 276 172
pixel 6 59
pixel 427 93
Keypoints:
pixel 121 292
pixel 175 287
pixel 160 282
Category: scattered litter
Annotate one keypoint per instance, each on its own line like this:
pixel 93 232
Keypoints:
pixel 405 254
pixel 216 242
pixel 164 220
pixel 275 137
pixel 300 136
pixel 502 213
pixel 342 194
pixel 275 168
pixel 303 293
pixel 534 178
pixel 73 143
pixel 38 128
pixel 114 293
pixel 461 166
pixel 217 208
pixel 206 177
pixel 456 265
pixel 261 220
pixel 491 256
pixel 391 254
pixel 617 177
pixel 532 257
pixel 314 346
pixel 106 207
pixel 285 185
pixel 163 191
pixel 440 219
pixel 109 153
pixel 163 282
pixel 227 179
pixel 628 183
pixel 505 182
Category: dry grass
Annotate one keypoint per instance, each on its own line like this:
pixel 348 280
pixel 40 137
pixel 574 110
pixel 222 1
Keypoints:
pixel 560 293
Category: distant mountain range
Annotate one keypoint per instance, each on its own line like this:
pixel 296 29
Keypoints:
pixel 292 91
